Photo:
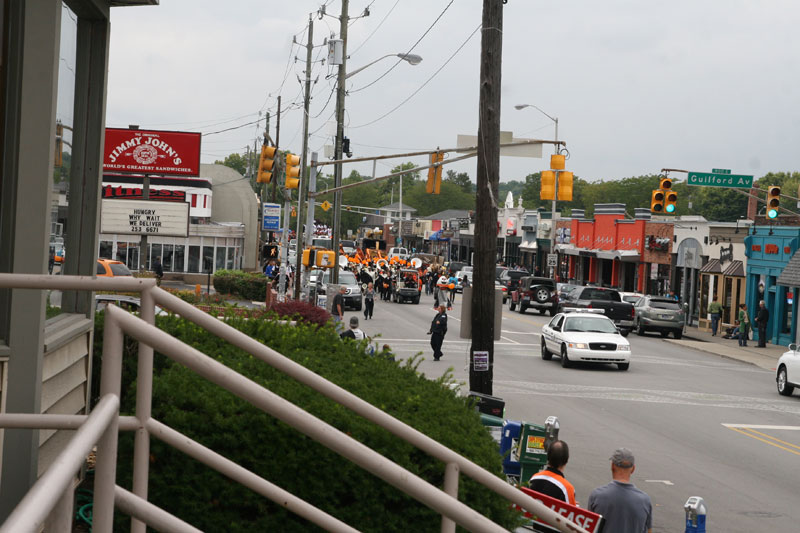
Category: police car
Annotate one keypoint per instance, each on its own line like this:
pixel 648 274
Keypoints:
pixel 584 335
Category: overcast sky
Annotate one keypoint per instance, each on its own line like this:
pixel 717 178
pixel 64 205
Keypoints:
pixel 637 86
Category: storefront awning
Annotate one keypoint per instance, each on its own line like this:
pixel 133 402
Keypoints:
pixel 528 246
pixel 735 269
pixel 620 255
pixel 567 249
pixel 712 267
pixel 790 277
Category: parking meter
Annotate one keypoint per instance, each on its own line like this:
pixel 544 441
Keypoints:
pixel 686 318
pixel 551 426
pixel 695 509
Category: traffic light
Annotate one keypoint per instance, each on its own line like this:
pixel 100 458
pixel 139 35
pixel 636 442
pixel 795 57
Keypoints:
pixel 665 184
pixel 557 161
pixel 265 163
pixel 670 201
pixel 657 201
pixel 773 201
pixel 270 251
pixel 565 186
pixel 292 171
pixel 548 188
pixel 434 183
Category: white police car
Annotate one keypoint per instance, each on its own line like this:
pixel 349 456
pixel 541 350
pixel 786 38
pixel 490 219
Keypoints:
pixel 585 335
pixel 787 374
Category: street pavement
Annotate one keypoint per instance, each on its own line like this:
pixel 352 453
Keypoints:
pixel 702 416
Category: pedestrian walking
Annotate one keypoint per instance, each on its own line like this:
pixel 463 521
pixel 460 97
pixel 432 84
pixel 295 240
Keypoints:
pixel 158 270
pixel 762 319
pixel 551 481
pixel 625 508
pixel 369 301
pixel 744 325
pixel 715 310
pixel 337 307
pixel 437 332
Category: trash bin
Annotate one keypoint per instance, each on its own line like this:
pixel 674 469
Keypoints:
pixel 532 451
pixel 509 448
pixel 489 405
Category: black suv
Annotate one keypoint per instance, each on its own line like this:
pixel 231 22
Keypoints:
pixel 510 278
pixel 539 293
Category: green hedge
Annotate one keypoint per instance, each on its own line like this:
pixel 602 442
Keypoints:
pixel 247 285
pixel 282 455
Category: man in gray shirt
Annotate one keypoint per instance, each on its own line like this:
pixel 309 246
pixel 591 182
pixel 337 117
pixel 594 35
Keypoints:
pixel 625 508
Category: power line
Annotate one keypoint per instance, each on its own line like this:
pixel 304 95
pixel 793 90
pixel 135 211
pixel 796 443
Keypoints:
pixel 421 86
pixel 409 50
pixel 376 27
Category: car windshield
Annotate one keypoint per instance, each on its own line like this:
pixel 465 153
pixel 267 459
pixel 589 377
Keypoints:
pixel 345 278
pixel 119 269
pixel 631 299
pixel 590 324
pixel 534 282
pixel 599 294
pixel 665 304
pixel 516 274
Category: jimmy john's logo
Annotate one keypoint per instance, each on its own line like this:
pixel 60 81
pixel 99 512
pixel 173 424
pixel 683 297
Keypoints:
pixel 145 150
pixel 135 193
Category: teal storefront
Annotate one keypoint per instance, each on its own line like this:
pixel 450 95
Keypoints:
pixel 769 249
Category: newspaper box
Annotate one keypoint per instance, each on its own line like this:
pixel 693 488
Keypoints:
pixel 488 405
pixel 532 451
pixel 509 448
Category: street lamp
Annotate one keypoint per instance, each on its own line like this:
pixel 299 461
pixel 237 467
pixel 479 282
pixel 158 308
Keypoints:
pixel 412 59
pixel 553 205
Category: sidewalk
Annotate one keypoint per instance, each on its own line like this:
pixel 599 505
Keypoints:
pixel 765 358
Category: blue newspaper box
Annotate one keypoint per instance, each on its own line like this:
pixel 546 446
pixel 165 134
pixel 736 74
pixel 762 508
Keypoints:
pixel 509 446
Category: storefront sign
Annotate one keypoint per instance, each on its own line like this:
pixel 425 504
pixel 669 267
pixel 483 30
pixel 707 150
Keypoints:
pixel 152 152
pixel 726 254
pixel 771 249
pixel 480 361
pixel 756 248
pixel 271 217
pixel 138 217
pixel 135 193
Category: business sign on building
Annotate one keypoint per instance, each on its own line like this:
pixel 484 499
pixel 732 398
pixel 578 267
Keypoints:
pixel 119 192
pixel 174 153
pixel 142 217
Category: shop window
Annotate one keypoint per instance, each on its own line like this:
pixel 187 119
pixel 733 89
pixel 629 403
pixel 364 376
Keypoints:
pixel 106 250
pixel 705 284
pixel 194 259
pixel 156 250
pixel 166 257
pixel 133 256
pixel 231 251
pixel 208 259
pixel 178 264
pixel 728 301
pixel 786 322
pixel 220 262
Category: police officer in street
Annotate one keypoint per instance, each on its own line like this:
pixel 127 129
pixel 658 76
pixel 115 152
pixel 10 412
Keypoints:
pixel 437 331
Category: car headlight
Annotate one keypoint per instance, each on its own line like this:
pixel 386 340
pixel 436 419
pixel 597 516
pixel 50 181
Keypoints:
pixel 623 348
pixel 578 345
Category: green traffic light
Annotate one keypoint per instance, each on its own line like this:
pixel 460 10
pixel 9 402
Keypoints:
pixel 670 208
pixel 772 213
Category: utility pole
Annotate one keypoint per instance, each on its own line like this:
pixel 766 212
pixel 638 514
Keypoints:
pixel 303 168
pixel 265 235
pixel 277 140
pixel 553 210
pixel 486 202
pixel 337 174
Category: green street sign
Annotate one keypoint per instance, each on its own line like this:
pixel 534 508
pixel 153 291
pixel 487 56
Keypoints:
pixel 721 170
pixel 709 179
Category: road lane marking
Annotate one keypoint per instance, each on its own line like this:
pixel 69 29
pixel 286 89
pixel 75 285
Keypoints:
pixel 509 340
pixel 664 481
pixel 758 426
pixel 766 441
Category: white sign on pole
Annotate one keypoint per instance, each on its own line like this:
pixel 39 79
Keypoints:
pixel 533 149
pixel 552 260
pixel 271 217
pixel 480 361
pixel 145 217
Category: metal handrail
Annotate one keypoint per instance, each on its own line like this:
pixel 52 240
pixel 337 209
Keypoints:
pixel 445 502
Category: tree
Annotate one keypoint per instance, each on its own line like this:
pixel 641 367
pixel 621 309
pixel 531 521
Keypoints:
pixel 461 179
pixel 237 162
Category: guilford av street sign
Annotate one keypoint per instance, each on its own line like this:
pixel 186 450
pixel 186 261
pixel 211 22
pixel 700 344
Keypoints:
pixel 709 179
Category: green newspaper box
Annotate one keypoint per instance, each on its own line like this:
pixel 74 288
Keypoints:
pixel 532 451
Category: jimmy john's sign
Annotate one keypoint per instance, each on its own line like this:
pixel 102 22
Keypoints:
pixel 142 217
pixel 174 153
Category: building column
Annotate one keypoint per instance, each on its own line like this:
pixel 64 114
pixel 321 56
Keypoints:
pixel 572 267
pixel 640 282
pixel 592 267
pixel 33 40
pixel 614 273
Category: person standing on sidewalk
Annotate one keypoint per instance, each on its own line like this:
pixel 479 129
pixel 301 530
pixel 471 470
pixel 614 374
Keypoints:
pixel 715 310
pixel 437 331
pixel 762 319
pixel 369 301
pixel 744 325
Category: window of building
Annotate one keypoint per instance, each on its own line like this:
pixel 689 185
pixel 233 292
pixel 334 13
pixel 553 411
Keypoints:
pixel 220 262
pixel 194 259
pixel 106 250
pixel 166 257
pixel 155 251
pixel 178 262
pixel 231 252
pixel 208 259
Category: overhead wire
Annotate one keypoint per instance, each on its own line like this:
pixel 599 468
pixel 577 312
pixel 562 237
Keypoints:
pixel 408 52
pixel 376 27
pixel 398 106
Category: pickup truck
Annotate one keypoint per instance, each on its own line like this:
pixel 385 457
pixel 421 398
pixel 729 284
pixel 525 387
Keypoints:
pixel 609 300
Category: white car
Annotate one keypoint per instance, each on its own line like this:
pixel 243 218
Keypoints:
pixel 401 253
pixel 585 335
pixel 788 374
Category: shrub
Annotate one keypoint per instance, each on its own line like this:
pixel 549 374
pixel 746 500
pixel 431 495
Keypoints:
pixel 247 285
pixel 301 312
pixel 273 450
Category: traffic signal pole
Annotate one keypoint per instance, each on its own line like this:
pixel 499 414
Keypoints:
pixel 483 297
pixel 303 168
pixel 553 212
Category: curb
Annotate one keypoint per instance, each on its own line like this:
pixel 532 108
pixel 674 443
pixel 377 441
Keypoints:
pixel 732 357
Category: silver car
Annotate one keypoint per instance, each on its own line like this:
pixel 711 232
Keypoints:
pixel 657 313
pixel 352 296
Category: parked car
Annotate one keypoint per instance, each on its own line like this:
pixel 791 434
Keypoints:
pixel 110 268
pixel 460 277
pixel 654 313
pixel 510 278
pixel 565 288
pixel 585 335
pixel 498 270
pixel 787 375
pixel 400 253
pixel 406 286
pixel 129 303
pixel 455 266
pixel 534 292
pixel 631 297
pixel 352 296
pixel 609 300
pixel 500 287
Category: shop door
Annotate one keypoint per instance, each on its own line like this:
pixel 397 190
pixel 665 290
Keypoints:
pixel 728 301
